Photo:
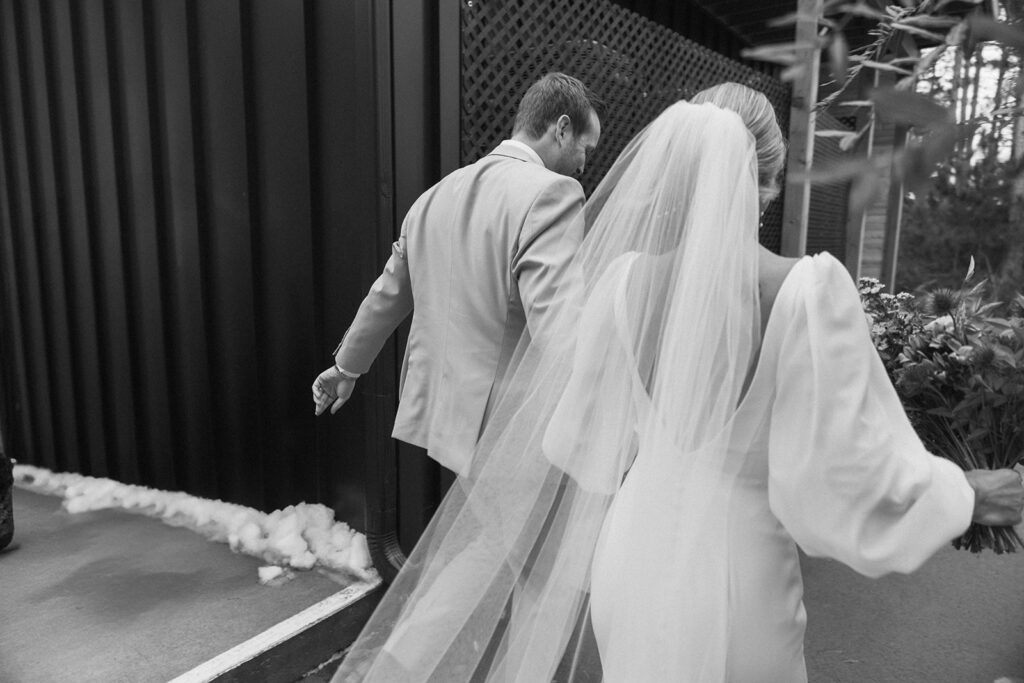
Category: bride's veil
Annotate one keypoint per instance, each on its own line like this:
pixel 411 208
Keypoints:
pixel 651 347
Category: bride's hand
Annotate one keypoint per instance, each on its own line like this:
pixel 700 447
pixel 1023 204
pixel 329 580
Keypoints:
pixel 998 496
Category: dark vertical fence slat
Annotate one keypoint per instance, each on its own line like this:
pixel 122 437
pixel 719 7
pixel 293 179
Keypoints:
pixel 255 237
pixel 146 304
pixel 106 229
pixel 317 210
pixel 15 413
pixel 79 263
pixel 224 210
pixel 177 180
pixel 344 211
pixel 284 258
pixel 47 219
pixel 22 227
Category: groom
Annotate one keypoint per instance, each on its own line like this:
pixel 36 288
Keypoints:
pixel 478 264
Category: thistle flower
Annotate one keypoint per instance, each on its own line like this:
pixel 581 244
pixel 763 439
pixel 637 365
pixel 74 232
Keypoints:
pixel 942 302
pixel 913 378
pixel 983 357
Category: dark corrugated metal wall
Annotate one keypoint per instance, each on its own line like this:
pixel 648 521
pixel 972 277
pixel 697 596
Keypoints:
pixel 194 195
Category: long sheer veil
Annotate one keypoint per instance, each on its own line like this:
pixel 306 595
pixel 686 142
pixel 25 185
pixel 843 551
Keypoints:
pixel 647 356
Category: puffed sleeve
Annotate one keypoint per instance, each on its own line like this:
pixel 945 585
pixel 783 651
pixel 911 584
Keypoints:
pixel 591 433
pixel 848 476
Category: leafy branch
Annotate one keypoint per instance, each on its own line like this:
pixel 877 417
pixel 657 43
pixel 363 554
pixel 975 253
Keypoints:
pixel 898 34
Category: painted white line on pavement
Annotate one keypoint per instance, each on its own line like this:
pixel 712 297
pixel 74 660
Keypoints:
pixel 276 634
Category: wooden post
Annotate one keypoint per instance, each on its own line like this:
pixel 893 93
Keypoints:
pixel 801 134
pixel 873 236
pixel 893 218
pixel 856 221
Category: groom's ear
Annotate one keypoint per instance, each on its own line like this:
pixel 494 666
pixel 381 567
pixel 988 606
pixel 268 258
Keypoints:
pixel 563 129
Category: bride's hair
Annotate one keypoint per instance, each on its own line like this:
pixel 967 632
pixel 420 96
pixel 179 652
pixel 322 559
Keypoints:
pixel 759 117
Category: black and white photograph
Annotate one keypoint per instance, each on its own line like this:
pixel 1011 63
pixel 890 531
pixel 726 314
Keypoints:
pixel 512 341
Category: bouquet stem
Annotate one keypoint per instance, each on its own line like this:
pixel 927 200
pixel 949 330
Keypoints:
pixel 945 439
pixel 1001 539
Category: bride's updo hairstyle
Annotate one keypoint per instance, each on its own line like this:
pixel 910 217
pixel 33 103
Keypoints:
pixel 759 116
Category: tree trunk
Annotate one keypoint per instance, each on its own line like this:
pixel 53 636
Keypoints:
pixel 1011 274
pixel 998 121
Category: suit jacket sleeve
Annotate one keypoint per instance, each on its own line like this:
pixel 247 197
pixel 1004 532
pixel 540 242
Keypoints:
pixel 385 306
pixel 550 237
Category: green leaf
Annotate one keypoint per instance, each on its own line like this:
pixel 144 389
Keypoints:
pixel 793 72
pixel 918 160
pixel 909 108
pixel 940 412
pixel 882 66
pixel 984 29
pixel 929 21
pixel 834 133
pixel 864 190
pixel 833 173
pixel 781 53
pixel 838 58
pixel 930 35
pixel 862 10
pixel 795 17
pixel 855 103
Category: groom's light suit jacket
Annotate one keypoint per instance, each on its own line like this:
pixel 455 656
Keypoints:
pixel 478 263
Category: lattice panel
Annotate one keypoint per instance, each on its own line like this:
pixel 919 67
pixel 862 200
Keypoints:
pixel 827 214
pixel 635 65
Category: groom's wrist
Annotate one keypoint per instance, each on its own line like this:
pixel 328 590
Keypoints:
pixel 344 372
pixel 337 361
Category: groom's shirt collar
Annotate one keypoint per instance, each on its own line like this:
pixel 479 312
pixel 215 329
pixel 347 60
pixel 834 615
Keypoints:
pixel 525 148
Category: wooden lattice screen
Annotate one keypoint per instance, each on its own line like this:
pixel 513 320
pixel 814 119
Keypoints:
pixel 636 66
pixel 827 214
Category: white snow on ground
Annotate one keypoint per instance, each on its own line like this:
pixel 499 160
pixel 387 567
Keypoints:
pixel 303 536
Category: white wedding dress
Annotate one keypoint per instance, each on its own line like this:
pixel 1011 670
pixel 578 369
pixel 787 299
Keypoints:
pixel 650 468
pixel 696 575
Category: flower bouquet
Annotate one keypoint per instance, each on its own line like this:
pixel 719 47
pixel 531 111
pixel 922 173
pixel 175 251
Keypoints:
pixel 957 362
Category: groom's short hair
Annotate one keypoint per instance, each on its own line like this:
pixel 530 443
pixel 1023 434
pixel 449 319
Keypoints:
pixel 550 97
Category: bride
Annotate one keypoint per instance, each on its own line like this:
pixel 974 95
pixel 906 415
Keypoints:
pixel 700 408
